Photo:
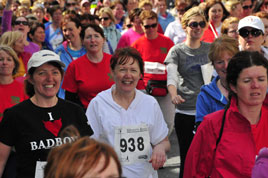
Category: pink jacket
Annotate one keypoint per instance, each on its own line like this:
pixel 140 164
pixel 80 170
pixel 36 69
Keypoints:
pixel 236 152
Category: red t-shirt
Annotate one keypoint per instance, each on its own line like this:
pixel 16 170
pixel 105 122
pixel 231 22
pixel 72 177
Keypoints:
pixel 11 95
pixel 87 79
pixel 260 130
pixel 154 50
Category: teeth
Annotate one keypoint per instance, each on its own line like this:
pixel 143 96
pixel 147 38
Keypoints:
pixel 49 86
pixel 125 82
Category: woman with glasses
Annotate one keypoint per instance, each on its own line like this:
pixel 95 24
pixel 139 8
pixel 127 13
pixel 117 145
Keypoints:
pixel 251 35
pixel 235 9
pixel 54 36
pixel 227 141
pixel 264 17
pixel 229 27
pixel 247 6
pixel 154 48
pixel 134 32
pixel 184 76
pixel 19 24
pixel 215 13
pixel 107 22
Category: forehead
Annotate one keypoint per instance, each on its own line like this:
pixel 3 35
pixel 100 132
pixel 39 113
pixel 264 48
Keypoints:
pixel 195 18
pixel 149 21
pixel 21 19
pixel 4 53
pixel 215 6
pixel 69 24
pixel 247 2
pixel 90 31
pixel 70 1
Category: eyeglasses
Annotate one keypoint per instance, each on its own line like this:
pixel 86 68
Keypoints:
pixel 129 25
pixel 21 22
pixel 104 18
pixel 150 26
pixel 202 24
pixel 245 33
pixel 247 7
pixel 71 4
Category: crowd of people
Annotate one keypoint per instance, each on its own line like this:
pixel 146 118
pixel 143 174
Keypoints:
pixel 127 73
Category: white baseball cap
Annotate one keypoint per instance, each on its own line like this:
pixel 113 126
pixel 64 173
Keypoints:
pixel 251 21
pixel 83 2
pixel 43 56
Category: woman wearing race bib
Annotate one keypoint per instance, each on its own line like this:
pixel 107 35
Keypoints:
pixel 129 120
pixel 34 125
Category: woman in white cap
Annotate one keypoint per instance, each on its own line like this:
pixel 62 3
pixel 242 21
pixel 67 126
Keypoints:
pixel 251 35
pixel 34 126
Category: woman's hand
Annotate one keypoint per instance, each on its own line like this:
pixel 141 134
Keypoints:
pixel 177 99
pixel 159 154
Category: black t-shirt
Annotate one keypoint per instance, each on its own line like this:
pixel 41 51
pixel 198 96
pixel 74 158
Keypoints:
pixel 33 131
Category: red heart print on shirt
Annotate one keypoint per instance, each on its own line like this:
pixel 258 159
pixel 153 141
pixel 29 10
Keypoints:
pixel 53 126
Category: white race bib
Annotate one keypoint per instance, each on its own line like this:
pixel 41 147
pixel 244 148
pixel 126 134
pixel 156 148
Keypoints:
pixel 39 169
pixel 154 68
pixel 132 144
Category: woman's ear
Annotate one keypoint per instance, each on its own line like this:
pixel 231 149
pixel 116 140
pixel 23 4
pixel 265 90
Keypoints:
pixel 29 78
pixel 233 88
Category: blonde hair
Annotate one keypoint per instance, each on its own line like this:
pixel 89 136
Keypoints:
pixel 193 12
pixel 9 38
pixel 14 56
pixel 143 3
pixel 231 5
pixel 108 11
pixel 226 23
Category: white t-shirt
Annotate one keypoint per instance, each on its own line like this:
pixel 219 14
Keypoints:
pixel 105 116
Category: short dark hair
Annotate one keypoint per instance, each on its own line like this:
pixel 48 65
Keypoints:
pixel 241 61
pixel 122 56
pixel 52 9
pixel 95 27
pixel 28 87
pixel 34 27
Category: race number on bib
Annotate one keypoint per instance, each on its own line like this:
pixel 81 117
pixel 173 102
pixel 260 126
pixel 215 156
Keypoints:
pixel 39 169
pixel 132 144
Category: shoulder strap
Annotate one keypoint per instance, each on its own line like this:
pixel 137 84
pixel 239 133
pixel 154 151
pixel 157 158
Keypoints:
pixel 222 126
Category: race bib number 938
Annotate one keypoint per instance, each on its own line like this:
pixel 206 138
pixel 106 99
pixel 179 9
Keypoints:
pixel 132 144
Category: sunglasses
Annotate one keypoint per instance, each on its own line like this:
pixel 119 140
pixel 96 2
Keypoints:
pixel 254 32
pixel 104 18
pixel 247 7
pixel 202 24
pixel 71 4
pixel 129 25
pixel 150 26
pixel 21 22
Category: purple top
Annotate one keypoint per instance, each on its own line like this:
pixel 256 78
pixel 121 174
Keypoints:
pixel 6 21
pixel 31 48
pixel 261 165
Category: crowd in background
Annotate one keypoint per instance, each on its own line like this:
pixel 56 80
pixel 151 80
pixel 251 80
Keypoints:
pixel 181 53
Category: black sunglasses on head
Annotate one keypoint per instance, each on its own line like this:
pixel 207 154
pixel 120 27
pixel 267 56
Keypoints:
pixel 247 7
pixel 71 4
pixel 202 24
pixel 104 18
pixel 150 26
pixel 245 32
pixel 21 22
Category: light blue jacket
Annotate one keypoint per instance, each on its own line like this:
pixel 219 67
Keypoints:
pixel 66 58
pixel 165 21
